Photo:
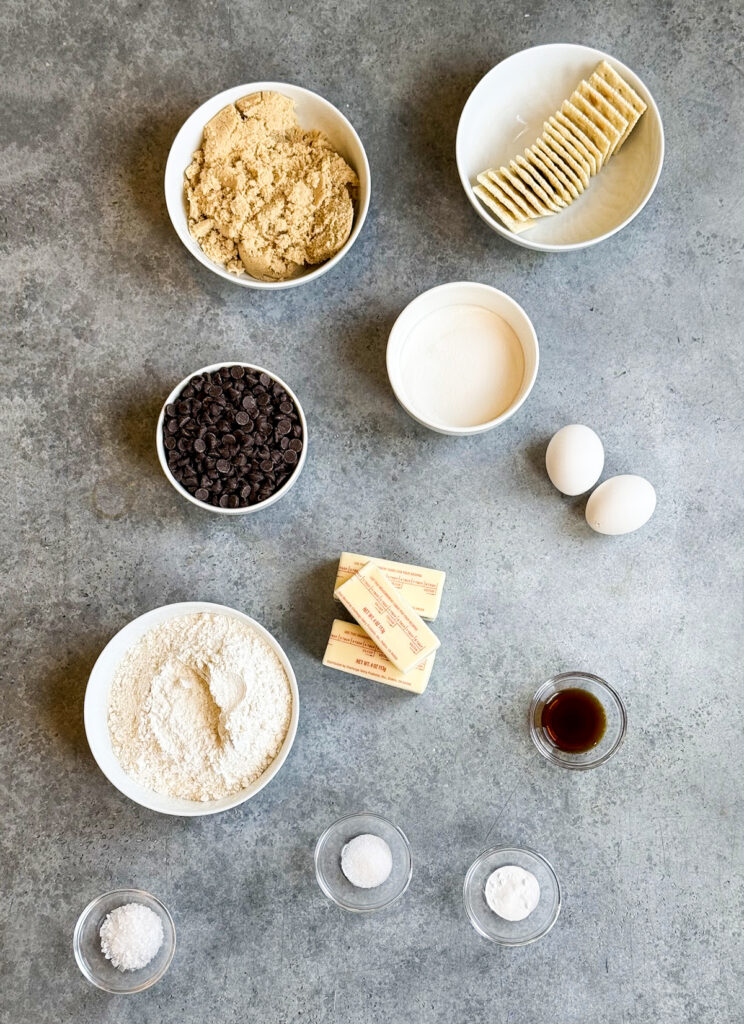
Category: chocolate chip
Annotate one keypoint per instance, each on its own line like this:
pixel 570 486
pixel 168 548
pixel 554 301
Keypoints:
pixel 232 437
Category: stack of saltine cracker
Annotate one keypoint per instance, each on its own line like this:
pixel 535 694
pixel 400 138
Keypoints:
pixel 576 143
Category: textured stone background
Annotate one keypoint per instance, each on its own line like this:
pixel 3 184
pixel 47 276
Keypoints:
pixel 640 337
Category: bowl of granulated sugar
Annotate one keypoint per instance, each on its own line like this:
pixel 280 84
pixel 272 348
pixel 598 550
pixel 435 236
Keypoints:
pixel 191 709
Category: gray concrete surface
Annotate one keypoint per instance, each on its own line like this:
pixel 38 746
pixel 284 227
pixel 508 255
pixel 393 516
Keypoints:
pixel 105 310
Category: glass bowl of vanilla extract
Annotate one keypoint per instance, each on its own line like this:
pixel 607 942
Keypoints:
pixel 577 720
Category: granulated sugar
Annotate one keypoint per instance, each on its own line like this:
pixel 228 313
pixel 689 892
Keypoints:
pixel 199 707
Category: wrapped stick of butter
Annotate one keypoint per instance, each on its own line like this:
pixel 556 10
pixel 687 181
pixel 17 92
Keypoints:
pixel 387 617
pixel 351 650
pixel 422 587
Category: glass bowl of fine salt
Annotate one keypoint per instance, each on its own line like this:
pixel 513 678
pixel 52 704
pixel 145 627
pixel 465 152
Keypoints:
pixel 363 862
pixel 124 941
pixel 512 895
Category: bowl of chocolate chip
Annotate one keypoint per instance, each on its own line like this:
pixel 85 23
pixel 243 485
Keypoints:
pixel 232 438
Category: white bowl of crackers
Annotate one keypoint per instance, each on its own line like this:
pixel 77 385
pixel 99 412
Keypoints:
pixel 268 185
pixel 559 147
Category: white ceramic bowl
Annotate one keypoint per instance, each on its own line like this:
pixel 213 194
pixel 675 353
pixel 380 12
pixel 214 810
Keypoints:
pixel 290 482
pixel 504 115
pixel 453 294
pixel 313 113
pixel 96 713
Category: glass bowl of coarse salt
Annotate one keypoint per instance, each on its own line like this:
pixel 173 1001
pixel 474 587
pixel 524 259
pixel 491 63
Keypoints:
pixel 363 862
pixel 124 941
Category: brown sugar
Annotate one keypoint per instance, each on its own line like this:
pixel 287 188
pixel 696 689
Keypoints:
pixel 264 196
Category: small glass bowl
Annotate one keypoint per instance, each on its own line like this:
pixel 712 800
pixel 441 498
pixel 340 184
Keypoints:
pixel 495 928
pixel 614 709
pixel 334 882
pixel 101 972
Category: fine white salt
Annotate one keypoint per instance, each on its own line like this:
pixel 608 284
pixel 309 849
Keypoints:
pixel 131 936
pixel 366 861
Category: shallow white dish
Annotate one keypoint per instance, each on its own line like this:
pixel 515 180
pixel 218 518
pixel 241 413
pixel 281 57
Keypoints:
pixel 245 510
pixel 96 713
pixel 504 115
pixel 313 113
pixel 439 299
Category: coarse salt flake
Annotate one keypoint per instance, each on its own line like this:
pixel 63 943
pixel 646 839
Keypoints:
pixel 131 936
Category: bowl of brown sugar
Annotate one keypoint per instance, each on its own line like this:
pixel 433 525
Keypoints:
pixel 268 185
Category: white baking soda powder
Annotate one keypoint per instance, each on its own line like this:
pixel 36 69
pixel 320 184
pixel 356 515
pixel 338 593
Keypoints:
pixel 131 936
pixel 512 892
pixel 366 861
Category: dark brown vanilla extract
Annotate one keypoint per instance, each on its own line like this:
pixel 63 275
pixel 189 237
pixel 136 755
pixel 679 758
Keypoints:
pixel 574 720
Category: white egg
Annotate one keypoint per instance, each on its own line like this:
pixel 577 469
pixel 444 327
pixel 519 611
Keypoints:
pixel 574 459
pixel 621 504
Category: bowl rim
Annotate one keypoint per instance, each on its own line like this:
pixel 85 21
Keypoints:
pixel 323 839
pixel 504 849
pixel 395 341
pixel 86 912
pixel 553 755
pixel 196 809
pixel 521 240
pixel 172 200
pixel 248 509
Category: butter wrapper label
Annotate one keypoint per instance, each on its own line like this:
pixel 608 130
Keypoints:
pixel 421 587
pixel 351 650
pixel 387 617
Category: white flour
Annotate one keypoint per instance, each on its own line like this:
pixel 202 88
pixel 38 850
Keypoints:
pixel 199 707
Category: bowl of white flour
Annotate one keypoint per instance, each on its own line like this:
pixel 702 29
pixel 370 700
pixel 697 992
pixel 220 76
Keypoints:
pixel 191 709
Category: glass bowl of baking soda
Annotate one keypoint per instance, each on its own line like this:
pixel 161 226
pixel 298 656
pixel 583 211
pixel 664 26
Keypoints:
pixel 512 896
pixel 124 941
pixel 363 862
